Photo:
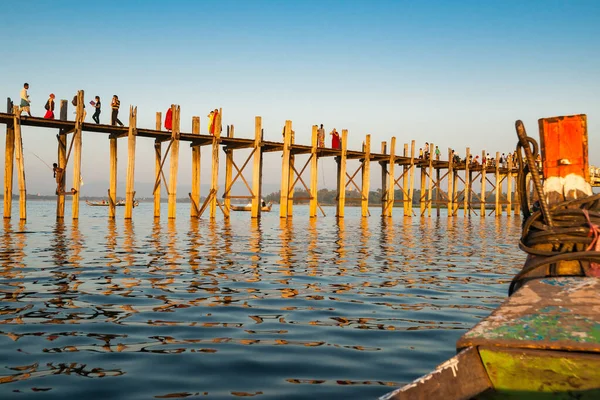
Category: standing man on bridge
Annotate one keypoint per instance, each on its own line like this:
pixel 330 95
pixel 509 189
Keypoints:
pixel 25 103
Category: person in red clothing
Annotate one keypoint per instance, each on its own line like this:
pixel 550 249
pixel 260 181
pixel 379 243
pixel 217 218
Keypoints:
pixel 50 107
pixel 169 119
pixel 213 127
pixel 335 139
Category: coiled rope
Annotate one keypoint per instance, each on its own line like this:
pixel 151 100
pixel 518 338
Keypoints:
pixel 569 228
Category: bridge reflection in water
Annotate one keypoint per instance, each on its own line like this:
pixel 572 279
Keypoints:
pixel 276 307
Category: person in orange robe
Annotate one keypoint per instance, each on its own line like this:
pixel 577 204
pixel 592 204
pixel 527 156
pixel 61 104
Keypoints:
pixel 169 119
pixel 335 139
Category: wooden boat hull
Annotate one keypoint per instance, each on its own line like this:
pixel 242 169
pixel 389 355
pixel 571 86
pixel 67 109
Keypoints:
pixel 118 204
pixel 542 342
pixel 266 208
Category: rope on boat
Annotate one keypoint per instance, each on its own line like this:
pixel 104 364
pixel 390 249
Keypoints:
pixel 565 231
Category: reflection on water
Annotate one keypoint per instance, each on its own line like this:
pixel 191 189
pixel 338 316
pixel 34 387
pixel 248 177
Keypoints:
pixel 298 308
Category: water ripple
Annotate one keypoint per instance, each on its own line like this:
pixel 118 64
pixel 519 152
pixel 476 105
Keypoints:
pixel 269 309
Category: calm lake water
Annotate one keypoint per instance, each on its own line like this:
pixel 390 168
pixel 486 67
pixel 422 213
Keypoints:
pixel 275 310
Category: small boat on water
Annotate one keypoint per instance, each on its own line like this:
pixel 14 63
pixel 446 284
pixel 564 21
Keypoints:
pixel 104 203
pixel 248 207
pixel 543 342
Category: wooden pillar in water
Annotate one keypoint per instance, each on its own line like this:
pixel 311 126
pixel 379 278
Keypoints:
pixel 437 191
pixel 483 183
pixel 405 169
pixel 228 173
pixel 366 177
pixel 195 206
pixel 467 192
pixel 384 176
pixel 129 182
pixel 450 205
pixel 285 170
pixel 215 164
pixel 422 187
pixel 430 180
pixel 9 160
pixel 314 173
pixel 112 191
pixel 257 169
pixel 174 161
pixel 392 178
pixel 411 179
pixel 509 188
pixel 454 192
pixel 290 208
pixel 157 164
pixel 498 186
pixel 62 162
pixel 77 141
pixel 20 164
pixel 341 177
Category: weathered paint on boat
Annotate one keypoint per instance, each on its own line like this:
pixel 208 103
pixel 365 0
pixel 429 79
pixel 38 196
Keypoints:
pixel 542 342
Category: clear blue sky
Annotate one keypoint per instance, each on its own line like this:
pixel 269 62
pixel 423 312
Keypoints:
pixel 454 73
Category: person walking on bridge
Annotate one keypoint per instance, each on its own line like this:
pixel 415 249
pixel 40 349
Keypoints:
pixel 96 104
pixel 49 107
pixel 25 103
pixel 115 104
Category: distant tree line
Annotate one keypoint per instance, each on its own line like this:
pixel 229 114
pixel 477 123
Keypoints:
pixel 329 197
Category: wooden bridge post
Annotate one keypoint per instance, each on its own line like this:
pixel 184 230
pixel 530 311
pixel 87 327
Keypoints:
pixel 430 181
pixel 509 177
pixel 455 204
pixel 423 194
pixel 366 178
pixel 20 164
pixel 384 177
pixel 195 195
pixel 405 169
pixel 467 192
pixel 392 178
pixel 437 191
pixel 285 170
pixel 62 162
pixel 483 183
pixel 215 164
pixel 77 141
pixel 314 173
pixel 129 183
pixel 498 210
pixel 411 188
pixel 257 169
pixel 228 173
pixel 157 164
pixel 291 181
pixel 174 161
pixel 341 177
pixel 112 191
pixel 450 205
pixel 9 157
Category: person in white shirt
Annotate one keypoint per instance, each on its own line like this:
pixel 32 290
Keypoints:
pixel 25 103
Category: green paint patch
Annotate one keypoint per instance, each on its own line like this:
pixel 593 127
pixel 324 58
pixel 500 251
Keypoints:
pixel 542 372
pixel 549 326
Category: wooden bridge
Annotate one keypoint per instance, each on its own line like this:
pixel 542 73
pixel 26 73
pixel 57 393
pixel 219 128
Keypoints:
pixel 397 170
